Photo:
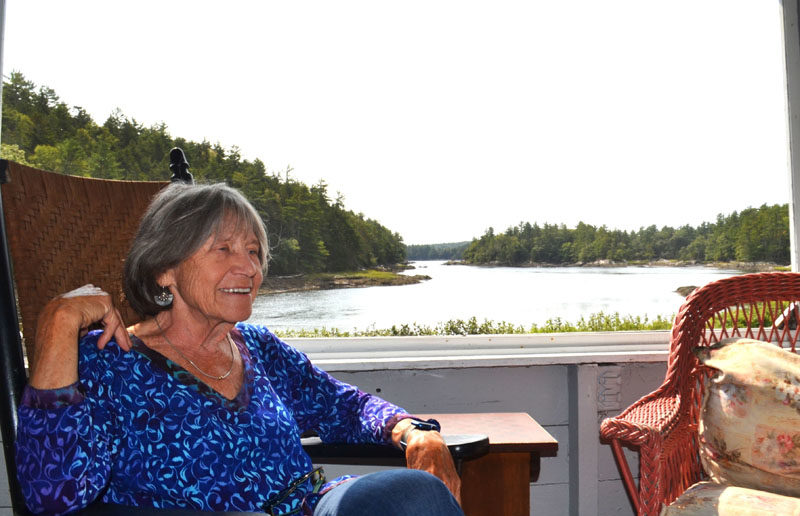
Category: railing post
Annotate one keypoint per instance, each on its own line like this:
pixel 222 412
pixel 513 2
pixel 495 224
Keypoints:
pixel 583 440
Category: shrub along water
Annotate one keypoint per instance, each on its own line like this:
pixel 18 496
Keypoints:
pixel 596 322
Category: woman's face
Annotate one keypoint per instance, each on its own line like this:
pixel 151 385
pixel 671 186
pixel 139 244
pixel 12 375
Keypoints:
pixel 220 280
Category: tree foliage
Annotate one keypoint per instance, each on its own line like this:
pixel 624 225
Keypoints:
pixel 308 232
pixel 752 235
pixel 452 251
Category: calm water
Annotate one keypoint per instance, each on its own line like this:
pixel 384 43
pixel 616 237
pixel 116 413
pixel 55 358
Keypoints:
pixel 517 295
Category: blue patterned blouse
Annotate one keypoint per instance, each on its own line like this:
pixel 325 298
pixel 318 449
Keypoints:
pixel 137 429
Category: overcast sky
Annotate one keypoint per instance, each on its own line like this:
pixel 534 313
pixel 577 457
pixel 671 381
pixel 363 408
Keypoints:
pixel 440 119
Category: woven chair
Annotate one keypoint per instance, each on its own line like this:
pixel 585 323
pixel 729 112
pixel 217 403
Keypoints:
pixel 61 232
pixel 663 425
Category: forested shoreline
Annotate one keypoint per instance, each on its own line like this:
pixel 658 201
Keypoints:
pixel 752 235
pixel 308 231
pixel 449 251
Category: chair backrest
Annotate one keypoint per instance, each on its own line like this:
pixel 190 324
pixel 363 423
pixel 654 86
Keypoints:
pixel 748 306
pixel 66 231
pixel 61 232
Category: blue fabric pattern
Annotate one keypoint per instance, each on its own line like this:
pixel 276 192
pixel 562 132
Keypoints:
pixel 137 429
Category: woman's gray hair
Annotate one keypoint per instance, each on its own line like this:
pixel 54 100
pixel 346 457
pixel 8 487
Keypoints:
pixel 177 223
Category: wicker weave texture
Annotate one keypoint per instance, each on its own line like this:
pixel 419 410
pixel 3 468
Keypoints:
pixel 663 424
pixel 67 231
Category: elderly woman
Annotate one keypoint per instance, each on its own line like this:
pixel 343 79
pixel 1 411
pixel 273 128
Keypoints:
pixel 191 407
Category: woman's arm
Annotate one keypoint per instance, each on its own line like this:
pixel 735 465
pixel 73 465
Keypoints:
pixel 62 321
pixel 63 444
pixel 62 450
pixel 342 412
pixel 339 412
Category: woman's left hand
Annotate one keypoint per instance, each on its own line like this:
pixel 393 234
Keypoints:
pixel 427 451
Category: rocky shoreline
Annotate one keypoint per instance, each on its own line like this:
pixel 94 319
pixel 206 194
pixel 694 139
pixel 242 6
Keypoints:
pixel 367 278
pixel 740 266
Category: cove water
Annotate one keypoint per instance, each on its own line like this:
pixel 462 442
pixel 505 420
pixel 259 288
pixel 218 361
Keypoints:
pixel 522 296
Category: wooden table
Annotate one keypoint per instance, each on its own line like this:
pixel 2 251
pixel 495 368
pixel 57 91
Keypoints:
pixel 499 483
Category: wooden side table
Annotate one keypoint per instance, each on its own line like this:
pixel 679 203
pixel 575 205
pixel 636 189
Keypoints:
pixel 499 483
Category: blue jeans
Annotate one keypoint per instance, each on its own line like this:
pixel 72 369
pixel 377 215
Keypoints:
pixel 394 492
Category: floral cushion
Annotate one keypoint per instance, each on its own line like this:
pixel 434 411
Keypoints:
pixel 712 499
pixel 750 420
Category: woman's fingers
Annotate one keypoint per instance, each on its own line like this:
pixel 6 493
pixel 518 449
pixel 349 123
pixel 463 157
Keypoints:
pixel 109 329
pixel 92 305
pixel 113 326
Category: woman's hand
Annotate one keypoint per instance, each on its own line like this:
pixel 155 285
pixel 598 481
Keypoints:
pixel 61 323
pixel 427 451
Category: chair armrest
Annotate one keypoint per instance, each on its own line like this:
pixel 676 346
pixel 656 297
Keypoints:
pixel 656 413
pixel 462 447
pixel 660 428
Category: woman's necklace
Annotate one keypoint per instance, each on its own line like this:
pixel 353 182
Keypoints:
pixel 227 336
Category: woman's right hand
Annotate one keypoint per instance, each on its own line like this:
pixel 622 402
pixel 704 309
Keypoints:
pixel 61 323
pixel 427 451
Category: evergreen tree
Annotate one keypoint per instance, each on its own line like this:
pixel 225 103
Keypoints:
pixel 307 232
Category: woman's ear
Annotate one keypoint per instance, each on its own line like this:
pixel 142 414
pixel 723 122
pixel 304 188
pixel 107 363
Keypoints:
pixel 166 278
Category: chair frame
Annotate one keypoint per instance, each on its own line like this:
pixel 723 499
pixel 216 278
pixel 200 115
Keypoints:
pixel 12 363
pixel 663 425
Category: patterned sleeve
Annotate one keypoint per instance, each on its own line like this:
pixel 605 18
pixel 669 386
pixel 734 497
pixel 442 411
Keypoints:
pixel 62 448
pixel 339 412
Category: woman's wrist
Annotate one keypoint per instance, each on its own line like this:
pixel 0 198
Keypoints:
pixel 399 430
pixel 404 430
pixel 51 399
pixel 406 434
pixel 55 360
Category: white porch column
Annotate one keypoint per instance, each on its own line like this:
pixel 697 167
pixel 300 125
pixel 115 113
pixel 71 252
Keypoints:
pixel 791 44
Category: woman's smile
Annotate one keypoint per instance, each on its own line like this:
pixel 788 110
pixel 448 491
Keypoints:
pixel 246 290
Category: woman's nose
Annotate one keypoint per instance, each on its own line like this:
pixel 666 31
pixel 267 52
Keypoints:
pixel 246 263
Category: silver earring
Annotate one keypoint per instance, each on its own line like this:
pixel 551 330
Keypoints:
pixel 164 298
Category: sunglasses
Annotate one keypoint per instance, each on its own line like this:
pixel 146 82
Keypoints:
pixel 317 477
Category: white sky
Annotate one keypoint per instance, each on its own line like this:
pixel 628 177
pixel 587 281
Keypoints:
pixel 440 119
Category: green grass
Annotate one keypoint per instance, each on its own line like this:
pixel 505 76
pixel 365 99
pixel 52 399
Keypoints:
pixel 372 274
pixel 594 323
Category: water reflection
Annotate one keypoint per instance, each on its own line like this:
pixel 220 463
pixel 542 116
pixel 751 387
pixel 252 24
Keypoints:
pixel 517 295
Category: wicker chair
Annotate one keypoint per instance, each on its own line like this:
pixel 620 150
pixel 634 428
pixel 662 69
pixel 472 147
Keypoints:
pixel 663 425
